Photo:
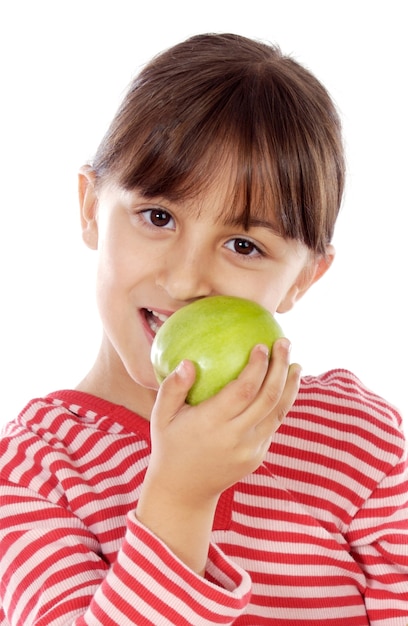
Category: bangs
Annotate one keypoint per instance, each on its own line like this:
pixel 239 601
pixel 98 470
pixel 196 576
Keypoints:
pixel 222 154
pixel 266 125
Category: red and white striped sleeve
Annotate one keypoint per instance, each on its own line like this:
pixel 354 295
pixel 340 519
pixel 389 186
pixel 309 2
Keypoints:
pixel 373 451
pixel 52 575
pixel 149 586
pixel 378 538
pixel 53 570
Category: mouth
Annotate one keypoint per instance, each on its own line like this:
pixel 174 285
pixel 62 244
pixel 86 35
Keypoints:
pixel 155 319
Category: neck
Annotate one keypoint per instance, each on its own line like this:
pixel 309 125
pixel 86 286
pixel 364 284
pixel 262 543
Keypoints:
pixel 109 380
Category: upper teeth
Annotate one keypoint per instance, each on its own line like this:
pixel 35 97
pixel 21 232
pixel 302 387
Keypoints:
pixel 160 316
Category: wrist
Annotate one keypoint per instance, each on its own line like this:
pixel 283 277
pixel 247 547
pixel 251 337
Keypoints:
pixel 184 524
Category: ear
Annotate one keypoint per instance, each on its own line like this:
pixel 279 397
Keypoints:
pixel 316 267
pixel 88 203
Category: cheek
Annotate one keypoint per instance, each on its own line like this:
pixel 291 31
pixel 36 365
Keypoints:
pixel 273 291
pixel 268 292
pixel 112 287
pixel 114 266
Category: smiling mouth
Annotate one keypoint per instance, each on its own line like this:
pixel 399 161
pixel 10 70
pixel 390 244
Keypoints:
pixel 155 319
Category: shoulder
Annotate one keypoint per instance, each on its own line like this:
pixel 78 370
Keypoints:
pixel 339 405
pixel 341 391
pixel 338 443
pixel 70 424
pixel 61 410
pixel 61 441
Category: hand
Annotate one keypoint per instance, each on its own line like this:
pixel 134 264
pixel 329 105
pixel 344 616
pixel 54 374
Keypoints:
pixel 199 451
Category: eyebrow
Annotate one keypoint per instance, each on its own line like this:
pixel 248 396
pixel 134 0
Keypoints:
pixel 254 222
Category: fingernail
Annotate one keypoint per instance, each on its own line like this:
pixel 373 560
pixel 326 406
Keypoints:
pixel 287 343
pixel 181 369
pixel 264 349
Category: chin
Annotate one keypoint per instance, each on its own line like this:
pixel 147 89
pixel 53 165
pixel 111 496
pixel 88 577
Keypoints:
pixel 147 379
pixel 153 386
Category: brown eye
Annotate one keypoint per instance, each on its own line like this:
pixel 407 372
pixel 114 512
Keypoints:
pixel 243 246
pixel 158 217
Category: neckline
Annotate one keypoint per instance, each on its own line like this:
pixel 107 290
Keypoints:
pixel 106 414
pixel 85 405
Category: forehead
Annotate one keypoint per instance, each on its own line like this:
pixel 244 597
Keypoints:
pixel 255 181
pixel 230 197
pixel 237 202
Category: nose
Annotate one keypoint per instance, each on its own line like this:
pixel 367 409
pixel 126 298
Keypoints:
pixel 187 275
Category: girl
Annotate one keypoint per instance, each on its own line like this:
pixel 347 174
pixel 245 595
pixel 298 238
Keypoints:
pixel 278 501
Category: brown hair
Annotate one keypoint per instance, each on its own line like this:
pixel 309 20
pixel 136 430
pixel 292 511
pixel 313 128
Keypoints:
pixel 224 99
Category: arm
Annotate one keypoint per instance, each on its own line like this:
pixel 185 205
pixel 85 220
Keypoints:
pixel 53 574
pixel 198 452
pixel 69 555
pixel 378 538
pixel 53 571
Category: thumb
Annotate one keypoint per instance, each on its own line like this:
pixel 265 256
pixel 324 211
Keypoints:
pixel 173 391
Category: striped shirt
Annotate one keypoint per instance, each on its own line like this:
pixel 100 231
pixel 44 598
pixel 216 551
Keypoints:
pixel 317 535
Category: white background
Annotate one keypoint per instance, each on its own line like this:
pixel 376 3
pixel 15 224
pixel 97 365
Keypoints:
pixel 64 68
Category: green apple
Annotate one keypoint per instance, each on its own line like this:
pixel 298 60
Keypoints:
pixel 217 334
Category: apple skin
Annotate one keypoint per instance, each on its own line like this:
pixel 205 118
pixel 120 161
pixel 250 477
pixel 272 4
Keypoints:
pixel 217 334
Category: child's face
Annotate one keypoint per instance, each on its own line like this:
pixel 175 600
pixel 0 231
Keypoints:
pixel 156 256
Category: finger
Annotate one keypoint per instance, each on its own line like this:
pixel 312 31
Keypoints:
pixel 290 392
pixel 237 395
pixel 277 377
pixel 271 422
pixel 173 391
pixel 279 388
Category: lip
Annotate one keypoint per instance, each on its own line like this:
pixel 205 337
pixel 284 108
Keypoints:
pixel 145 320
pixel 157 310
